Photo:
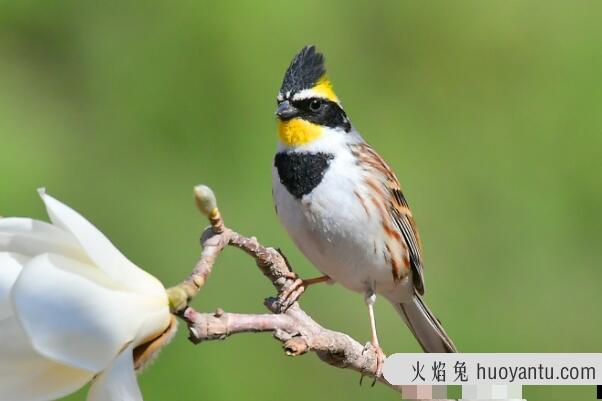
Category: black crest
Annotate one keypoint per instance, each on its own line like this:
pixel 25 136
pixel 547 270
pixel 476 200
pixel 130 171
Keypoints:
pixel 305 70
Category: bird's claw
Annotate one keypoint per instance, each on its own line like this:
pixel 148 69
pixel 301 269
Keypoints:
pixel 291 294
pixel 380 359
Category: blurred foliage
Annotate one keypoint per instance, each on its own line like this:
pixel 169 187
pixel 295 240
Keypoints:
pixel 490 113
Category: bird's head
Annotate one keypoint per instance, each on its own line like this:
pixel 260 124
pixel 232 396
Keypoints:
pixel 307 105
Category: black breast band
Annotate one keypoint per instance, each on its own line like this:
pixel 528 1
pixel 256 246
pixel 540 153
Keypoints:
pixel 300 173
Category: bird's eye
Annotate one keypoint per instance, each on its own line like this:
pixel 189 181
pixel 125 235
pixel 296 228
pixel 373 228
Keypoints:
pixel 315 104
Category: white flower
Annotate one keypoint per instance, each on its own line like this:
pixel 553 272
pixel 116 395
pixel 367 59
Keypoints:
pixel 72 309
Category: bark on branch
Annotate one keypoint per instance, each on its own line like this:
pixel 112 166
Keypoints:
pixel 297 331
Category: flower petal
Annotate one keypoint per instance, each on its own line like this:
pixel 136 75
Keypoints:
pixel 76 315
pixel 10 267
pixel 99 249
pixel 118 382
pixel 27 376
pixel 32 237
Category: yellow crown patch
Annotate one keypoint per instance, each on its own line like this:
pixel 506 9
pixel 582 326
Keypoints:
pixel 324 88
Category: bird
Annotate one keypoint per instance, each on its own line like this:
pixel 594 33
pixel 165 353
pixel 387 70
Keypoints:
pixel 343 207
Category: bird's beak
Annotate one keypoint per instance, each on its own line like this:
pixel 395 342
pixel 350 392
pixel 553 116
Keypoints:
pixel 286 110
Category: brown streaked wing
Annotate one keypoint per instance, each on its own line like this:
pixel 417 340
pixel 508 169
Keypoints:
pixel 399 210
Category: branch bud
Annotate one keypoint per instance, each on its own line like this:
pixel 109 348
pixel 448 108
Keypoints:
pixel 178 298
pixel 205 200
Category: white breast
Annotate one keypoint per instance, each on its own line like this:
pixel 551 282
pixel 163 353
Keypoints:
pixel 332 228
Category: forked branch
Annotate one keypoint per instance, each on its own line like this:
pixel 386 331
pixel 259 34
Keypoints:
pixel 298 332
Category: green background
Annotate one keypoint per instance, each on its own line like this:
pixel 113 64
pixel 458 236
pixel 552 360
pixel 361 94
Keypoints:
pixel 489 112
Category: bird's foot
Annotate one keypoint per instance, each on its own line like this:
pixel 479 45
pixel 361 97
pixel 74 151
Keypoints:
pixel 380 360
pixel 293 292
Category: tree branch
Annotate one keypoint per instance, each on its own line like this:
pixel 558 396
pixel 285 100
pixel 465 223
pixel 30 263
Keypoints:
pixel 298 332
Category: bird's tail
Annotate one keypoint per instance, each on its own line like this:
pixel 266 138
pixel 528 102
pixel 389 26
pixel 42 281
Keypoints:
pixel 425 326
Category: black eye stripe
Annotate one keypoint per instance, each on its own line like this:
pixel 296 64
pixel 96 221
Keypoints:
pixel 330 114
pixel 304 104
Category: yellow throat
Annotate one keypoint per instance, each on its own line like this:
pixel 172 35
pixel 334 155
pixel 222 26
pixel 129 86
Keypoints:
pixel 297 132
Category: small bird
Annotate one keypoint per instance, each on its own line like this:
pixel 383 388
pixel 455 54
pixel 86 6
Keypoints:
pixel 343 206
